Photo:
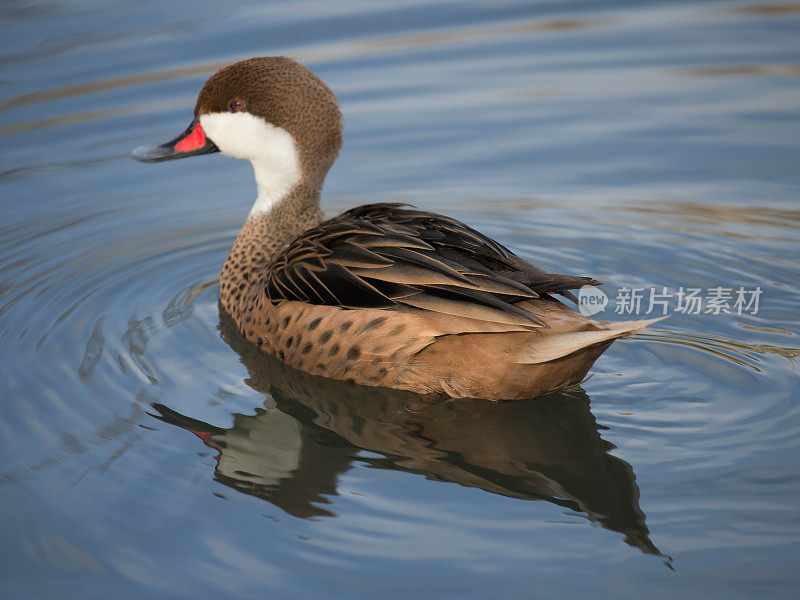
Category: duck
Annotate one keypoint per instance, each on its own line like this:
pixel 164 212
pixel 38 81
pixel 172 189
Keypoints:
pixel 383 295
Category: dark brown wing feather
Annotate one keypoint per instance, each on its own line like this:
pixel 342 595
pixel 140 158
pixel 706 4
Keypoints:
pixel 384 255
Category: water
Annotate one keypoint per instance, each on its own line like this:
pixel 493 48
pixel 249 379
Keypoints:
pixel 148 452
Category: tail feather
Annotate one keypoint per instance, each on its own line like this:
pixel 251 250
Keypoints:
pixel 553 347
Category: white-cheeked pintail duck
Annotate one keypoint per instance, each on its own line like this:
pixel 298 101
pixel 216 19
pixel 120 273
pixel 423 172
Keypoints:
pixel 383 294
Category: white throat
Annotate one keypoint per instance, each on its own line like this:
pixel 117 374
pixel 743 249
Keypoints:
pixel 270 149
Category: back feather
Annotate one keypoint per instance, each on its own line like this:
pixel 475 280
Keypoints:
pixel 385 255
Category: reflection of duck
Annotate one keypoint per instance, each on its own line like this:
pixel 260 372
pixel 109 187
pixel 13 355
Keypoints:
pixel 543 449
pixel 381 295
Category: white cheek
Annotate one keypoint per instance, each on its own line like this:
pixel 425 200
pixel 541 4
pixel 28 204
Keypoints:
pixel 270 149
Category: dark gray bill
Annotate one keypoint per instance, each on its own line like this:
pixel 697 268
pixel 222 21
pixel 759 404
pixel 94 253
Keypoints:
pixel 191 142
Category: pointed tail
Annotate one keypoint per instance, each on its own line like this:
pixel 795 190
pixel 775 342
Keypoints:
pixel 550 348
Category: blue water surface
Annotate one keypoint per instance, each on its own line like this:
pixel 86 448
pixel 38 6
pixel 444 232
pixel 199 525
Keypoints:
pixel 148 452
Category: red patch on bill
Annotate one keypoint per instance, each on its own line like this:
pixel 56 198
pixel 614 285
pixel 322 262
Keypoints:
pixel 194 141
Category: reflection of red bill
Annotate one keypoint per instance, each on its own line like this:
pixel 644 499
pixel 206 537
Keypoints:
pixel 194 141
pixel 206 437
pixel 203 435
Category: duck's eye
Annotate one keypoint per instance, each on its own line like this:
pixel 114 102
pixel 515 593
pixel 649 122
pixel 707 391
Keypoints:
pixel 236 105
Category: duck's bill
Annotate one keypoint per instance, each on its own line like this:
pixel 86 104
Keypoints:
pixel 191 142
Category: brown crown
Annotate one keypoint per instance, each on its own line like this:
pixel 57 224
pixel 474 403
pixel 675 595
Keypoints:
pixel 287 95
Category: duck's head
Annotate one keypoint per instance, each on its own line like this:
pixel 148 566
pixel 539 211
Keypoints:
pixel 272 111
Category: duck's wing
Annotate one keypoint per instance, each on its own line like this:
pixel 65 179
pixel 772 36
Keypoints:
pixel 388 255
pixel 451 236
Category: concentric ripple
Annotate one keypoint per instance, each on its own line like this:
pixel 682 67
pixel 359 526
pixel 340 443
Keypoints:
pixel 149 452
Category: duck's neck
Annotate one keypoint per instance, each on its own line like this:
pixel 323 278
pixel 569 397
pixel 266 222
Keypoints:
pixel 270 226
pixel 278 175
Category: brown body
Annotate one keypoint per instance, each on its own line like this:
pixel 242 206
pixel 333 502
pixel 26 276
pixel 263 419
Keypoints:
pixel 425 352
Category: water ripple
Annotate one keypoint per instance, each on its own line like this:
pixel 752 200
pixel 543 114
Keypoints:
pixel 647 145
